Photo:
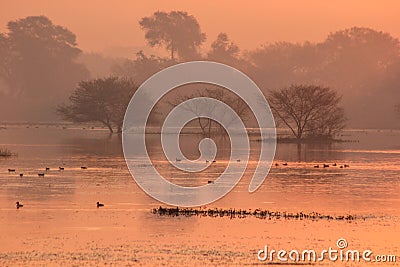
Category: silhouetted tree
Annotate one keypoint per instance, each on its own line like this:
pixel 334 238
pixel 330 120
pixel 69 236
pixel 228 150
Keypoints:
pixel 361 63
pixel 308 110
pixel 7 64
pixel 39 63
pixel 207 125
pixel 43 56
pixel 280 64
pixel 224 50
pixel 142 67
pixel 99 100
pixel 99 65
pixel 177 31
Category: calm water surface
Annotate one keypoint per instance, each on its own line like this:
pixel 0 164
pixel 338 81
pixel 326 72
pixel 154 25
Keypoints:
pixel 59 222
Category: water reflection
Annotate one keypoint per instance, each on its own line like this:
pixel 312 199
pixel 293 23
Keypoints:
pixel 370 184
pixel 60 221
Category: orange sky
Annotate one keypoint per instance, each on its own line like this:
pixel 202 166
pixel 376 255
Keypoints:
pixel 101 24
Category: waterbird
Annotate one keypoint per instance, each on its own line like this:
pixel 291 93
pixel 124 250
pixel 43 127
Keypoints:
pixel 214 161
pixel 83 167
pixel 334 164
pixel 341 166
pixel 276 164
pixel 210 182
pixel 11 170
pixel 346 166
pixel 98 204
pixel 40 174
pixel 285 164
pixel 316 166
pixel 18 205
pixel 238 160
pixel 61 168
pixel 21 175
pixel 326 165
pixel 47 169
pixel 178 159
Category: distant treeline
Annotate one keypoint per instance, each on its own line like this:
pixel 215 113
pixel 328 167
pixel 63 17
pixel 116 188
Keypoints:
pixel 42 64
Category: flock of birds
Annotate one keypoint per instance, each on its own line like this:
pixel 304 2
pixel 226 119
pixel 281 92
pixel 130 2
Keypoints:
pixel 41 174
pixel 286 164
pixel 19 205
pixel 176 212
pixel 241 213
pixel 318 165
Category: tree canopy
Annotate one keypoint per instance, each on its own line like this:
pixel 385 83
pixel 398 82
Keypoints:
pixel 38 63
pixel 100 100
pixel 142 67
pixel 177 31
pixel 308 110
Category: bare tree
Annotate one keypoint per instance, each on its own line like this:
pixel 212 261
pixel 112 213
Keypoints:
pixel 308 110
pixel 208 126
pixel 100 100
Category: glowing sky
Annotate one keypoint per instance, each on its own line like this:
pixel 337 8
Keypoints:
pixel 101 24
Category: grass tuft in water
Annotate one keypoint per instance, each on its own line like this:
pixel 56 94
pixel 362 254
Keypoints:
pixel 4 152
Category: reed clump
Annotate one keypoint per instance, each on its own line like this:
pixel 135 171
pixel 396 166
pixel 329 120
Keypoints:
pixel 258 213
pixel 4 152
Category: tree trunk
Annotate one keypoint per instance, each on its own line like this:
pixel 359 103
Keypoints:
pixel 172 50
pixel 119 130
pixel 109 126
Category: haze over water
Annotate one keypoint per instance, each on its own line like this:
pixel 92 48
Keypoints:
pixel 60 220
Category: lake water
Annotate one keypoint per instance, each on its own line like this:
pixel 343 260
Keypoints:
pixel 60 224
